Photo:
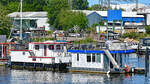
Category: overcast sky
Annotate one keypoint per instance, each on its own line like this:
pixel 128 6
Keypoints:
pixel 147 2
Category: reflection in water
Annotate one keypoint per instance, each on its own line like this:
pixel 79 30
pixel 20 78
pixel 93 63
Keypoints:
pixel 8 76
pixel 47 77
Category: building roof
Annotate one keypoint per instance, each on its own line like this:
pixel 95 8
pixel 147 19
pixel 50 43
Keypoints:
pixel 28 14
pixel 87 12
pixel 104 13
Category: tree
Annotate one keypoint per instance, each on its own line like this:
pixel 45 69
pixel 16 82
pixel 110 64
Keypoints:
pixel 147 29
pixel 80 4
pixel 34 5
pixel 68 19
pixel 28 5
pixel 98 7
pixel 54 7
pixel 5 24
pixel 13 7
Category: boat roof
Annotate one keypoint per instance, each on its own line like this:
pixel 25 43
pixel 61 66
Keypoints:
pixel 51 42
pixel 101 51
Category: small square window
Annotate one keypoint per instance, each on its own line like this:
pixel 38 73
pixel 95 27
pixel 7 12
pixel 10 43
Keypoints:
pixel 88 57
pixel 51 47
pixel 36 47
pixel 77 56
pixel 23 53
pixel 33 59
pixel 58 47
pixel 93 57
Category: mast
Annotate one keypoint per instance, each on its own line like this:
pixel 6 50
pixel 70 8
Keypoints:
pixel 21 19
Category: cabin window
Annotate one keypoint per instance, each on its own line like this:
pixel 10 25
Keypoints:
pixel 33 59
pixel 36 47
pixel 57 47
pixel 51 47
pixel 93 57
pixel 98 58
pixel 88 57
pixel 23 53
pixel 77 56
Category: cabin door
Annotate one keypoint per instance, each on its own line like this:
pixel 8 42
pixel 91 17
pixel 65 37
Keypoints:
pixel 45 50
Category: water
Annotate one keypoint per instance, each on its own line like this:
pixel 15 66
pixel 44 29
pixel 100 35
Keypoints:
pixel 8 76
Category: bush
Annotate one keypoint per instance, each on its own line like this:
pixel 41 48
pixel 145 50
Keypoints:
pixel 134 35
pixel 42 39
pixel 147 29
pixel 85 41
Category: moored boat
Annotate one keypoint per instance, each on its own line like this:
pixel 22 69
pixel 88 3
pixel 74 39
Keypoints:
pixel 108 60
pixel 49 54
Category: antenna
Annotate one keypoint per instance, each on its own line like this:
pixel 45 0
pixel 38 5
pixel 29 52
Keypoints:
pixel 108 3
pixel 21 19
pixel 137 4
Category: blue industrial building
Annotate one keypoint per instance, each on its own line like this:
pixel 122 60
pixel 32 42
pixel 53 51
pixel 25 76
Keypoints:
pixel 95 17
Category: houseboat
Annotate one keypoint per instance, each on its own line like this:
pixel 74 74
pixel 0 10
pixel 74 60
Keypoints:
pixel 144 43
pixel 49 54
pixel 106 60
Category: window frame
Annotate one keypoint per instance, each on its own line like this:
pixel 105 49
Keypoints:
pixel 37 47
pixel 88 58
pixel 77 56
pixel 58 48
pixel 51 47
pixel 93 57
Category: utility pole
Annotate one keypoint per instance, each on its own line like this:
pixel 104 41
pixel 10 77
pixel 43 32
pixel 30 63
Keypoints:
pixel 21 20
pixel 99 4
pixel 108 4
pixel 137 4
pixel 102 3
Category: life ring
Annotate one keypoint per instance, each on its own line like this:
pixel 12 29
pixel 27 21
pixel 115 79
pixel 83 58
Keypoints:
pixel 127 68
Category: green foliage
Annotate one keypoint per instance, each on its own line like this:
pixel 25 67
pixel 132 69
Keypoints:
pixel 85 41
pixel 28 5
pixel 34 5
pixel 42 39
pixel 54 8
pixel 134 9
pixel 98 7
pixel 13 7
pixel 94 25
pixel 147 29
pixel 4 21
pixel 68 19
pixel 101 23
pixel 80 4
pixel 134 35
pixel 50 32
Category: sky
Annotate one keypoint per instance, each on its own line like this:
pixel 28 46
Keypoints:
pixel 92 2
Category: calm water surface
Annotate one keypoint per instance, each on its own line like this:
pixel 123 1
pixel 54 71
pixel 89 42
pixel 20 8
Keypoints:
pixel 8 76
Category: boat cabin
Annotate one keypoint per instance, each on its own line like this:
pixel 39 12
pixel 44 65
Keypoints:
pixel 42 52
pixel 96 60
pixel 144 42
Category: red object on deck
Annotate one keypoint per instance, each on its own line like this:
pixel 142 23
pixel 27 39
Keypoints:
pixel 127 68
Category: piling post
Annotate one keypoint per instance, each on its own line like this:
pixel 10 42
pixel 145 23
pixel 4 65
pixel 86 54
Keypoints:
pixel 147 60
